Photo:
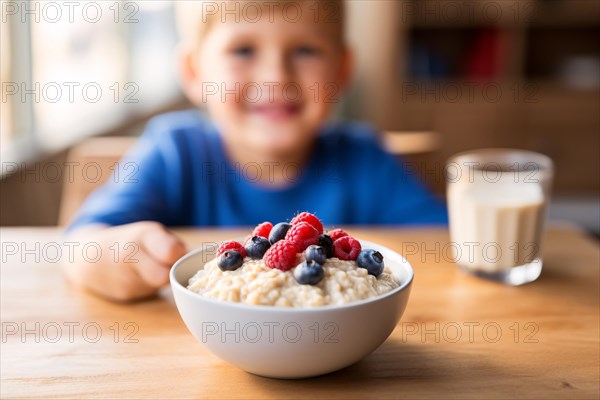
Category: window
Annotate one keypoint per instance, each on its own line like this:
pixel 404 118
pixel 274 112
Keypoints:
pixel 77 68
pixel 6 124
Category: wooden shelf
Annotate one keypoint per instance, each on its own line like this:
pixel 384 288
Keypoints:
pixel 439 14
pixel 537 110
pixel 565 13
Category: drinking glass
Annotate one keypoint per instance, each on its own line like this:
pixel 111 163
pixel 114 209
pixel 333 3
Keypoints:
pixel 497 201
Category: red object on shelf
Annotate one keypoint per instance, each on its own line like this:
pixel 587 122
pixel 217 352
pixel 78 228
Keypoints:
pixel 487 54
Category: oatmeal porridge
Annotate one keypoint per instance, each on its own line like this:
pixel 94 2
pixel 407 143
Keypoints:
pixel 295 264
pixel 255 283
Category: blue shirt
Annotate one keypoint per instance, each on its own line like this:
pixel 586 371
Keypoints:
pixel 179 174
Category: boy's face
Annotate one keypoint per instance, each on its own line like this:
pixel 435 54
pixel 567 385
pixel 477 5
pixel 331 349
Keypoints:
pixel 269 85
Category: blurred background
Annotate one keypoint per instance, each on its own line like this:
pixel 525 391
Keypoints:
pixel 81 78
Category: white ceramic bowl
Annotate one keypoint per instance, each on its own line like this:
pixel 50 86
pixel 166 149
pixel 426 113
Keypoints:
pixel 283 342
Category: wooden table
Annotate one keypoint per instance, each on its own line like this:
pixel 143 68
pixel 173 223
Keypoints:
pixel 460 337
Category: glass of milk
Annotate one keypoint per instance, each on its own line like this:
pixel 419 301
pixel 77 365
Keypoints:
pixel 497 200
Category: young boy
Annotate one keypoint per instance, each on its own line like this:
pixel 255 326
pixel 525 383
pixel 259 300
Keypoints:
pixel 268 74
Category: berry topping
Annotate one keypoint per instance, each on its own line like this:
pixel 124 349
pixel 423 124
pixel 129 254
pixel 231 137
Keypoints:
pixel 223 247
pixel 302 235
pixel 372 260
pixel 257 247
pixel 282 255
pixel 336 234
pixel 315 253
pixel 263 230
pixel 326 242
pixel 309 273
pixel 346 248
pixel 278 232
pixel 309 219
pixel 230 260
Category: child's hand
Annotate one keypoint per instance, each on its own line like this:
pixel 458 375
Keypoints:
pixel 134 263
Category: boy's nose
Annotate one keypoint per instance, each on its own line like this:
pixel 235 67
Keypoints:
pixel 275 68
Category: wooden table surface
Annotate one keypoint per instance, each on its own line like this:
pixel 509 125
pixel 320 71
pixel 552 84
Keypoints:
pixel 460 337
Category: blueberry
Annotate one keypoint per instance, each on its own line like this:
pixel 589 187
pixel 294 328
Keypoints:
pixel 326 242
pixel 278 232
pixel 372 260
pixel 230 260
pixel 257 247
pixel 309 273
pixel 315 253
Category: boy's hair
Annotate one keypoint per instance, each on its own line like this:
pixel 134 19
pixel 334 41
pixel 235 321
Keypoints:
pixel 194 18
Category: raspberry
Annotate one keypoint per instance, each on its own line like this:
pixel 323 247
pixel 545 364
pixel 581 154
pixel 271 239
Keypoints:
pixel 302 235
pixel 346 248
pixel 262 230
pixel 282 255
pixel 336 234
pixel 232 245
pixel 310 219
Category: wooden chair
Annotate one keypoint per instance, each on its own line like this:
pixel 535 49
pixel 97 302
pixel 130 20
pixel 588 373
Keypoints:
pixel 403 143
pixel 94 160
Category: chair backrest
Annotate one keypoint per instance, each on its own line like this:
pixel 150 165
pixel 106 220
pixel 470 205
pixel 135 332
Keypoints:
pixel 97 158
pixel 411 142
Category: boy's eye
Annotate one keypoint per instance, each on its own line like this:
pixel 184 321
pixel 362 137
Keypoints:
pixel 243 51
pixel 305 51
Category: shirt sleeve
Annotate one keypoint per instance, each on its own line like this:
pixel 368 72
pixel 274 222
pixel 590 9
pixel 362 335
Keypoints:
pixel 137 189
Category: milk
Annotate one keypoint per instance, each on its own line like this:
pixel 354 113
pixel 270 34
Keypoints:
pixel 496 221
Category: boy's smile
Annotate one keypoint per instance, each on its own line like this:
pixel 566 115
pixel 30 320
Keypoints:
pixel 277 79
pixel 275 112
